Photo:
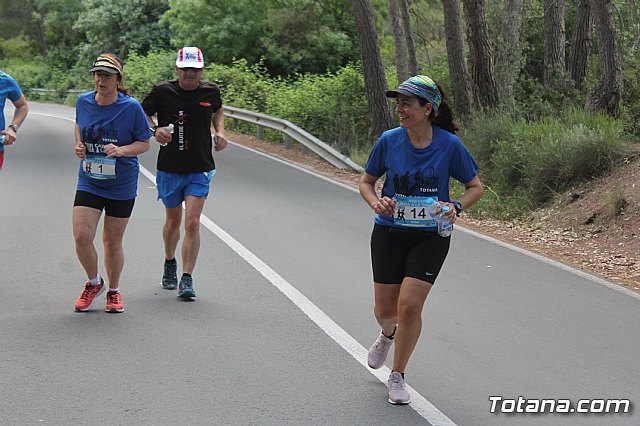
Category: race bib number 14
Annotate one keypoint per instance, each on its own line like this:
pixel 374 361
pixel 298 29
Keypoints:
pixel 413 211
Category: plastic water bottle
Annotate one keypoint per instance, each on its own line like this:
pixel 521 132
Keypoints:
pixel 432 206
pixel 2 141
pixel 444 226
pixel 170 130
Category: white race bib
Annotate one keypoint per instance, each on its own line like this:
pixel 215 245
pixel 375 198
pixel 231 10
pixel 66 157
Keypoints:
pixel 99 167
pixel 413 212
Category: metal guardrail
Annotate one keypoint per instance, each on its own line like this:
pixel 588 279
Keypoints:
pixel 41 91
pixel 292 131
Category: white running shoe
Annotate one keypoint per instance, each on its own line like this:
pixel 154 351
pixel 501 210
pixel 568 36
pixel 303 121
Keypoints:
pixel 379 351
pixel 398 393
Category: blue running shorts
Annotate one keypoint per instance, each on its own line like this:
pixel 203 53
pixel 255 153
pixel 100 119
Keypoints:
pixel 173 187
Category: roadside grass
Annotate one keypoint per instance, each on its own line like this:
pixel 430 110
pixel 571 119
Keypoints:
pixel 616 202
pixel 524 165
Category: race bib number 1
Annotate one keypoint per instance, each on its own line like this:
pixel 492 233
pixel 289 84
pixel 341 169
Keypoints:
pixel 412 211
pixel 99 167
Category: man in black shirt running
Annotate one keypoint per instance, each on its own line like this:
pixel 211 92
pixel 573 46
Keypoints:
pixel 186 109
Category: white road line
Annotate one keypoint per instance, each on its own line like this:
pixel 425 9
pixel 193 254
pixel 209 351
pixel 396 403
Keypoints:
pixel 419 403
pixel 492 240
pixel 53 116
pixel 557 264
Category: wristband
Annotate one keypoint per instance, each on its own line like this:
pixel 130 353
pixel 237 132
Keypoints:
pixel 14 127
pixel 458 208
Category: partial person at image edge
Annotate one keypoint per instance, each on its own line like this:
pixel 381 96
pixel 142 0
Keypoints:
pixel 9 89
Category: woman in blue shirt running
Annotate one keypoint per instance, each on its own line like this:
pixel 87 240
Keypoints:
pixel 111 131
pixel 418 159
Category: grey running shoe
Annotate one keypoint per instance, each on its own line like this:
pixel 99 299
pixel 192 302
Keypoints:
pixel 379 351
pixel 170 276
pixel 398 393
pixel 185 290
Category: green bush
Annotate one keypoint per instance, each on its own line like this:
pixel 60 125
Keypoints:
pixel 630 107
pixel 144 72
pixel 29 75
pixel 18 48
pixel 243 86
pixel 42 82
pixel 332 107
pixel 525 164
pixel 535 100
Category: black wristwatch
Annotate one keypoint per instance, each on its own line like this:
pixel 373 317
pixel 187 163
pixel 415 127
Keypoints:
pixel 458 207
pixel 153 130
pixel 14 127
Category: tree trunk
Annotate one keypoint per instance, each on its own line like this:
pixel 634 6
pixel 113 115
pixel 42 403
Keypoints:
pixel 411 46
pixel 38 23
pixel 606 96
pixel 458 70
pixel 482 69
pixel 581 44
pixel 633 7
pixel 508 54
pixel 402 66
pixel 372 68
pixel 554 39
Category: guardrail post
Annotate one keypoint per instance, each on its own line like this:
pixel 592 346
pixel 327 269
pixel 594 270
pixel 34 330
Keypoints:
pixel 260 133
pixel 287 141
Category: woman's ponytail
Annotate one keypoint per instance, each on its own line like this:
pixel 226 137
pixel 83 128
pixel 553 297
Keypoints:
pixel 444 117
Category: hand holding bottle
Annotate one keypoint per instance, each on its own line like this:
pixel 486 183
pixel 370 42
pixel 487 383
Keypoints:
pixel 165 134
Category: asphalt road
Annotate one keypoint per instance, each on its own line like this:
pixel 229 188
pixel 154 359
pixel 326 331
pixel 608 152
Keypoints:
pixel 279 331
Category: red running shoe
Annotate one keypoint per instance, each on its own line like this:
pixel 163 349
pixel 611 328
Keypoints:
pixel 114 302
pixel 85 301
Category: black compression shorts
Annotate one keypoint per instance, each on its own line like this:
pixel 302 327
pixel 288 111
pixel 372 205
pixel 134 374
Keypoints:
pixel 113 208
pixel 402 252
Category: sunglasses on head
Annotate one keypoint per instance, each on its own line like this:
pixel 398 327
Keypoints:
pixel 191 69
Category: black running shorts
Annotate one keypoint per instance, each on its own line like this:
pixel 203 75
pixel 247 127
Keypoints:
pixel 403 252
pixel 113 208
